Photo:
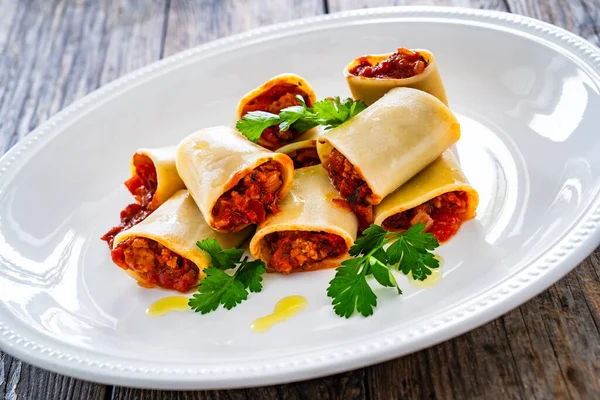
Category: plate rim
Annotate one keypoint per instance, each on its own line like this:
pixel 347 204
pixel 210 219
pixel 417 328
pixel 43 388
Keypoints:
pixel 567 253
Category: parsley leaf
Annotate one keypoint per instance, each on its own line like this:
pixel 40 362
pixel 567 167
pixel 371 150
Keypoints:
pixel 222 259
pixel 218 287
pixel 328 112
pixel 409 251
pixel 254 123
pixel 374 235
pixel 250 273
pixel 332 113
pixel 381 272
pixel 350 290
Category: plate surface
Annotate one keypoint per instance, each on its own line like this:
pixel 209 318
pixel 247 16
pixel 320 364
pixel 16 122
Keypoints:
pixel 526 93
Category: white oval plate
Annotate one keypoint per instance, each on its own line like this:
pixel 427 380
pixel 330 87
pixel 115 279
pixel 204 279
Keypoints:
pixel 527 95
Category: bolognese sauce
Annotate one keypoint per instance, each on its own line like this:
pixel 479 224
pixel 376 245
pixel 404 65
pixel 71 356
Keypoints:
pixel 352 187
pixel 144 182
pixel 300 250
pixel 273 101
pixel 131 215
pixel 142 185
pixel 403 64
pixel 156 264
pixel 306 157
pixel 442 215
pixel 249 201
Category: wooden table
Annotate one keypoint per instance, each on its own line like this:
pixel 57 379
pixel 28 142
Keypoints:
pixel 53 52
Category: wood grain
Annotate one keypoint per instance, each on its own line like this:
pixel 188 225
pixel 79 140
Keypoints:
pixel 193 22
pixel 340 5
pixel 348 386
pixel 53 52
pixel 579 16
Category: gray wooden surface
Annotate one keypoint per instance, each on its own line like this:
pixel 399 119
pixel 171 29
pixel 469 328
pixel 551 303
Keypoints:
pixel 53 52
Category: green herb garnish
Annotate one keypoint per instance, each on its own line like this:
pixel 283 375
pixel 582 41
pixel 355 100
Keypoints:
pixel 409 252
pixel 221 288
pixel 328 113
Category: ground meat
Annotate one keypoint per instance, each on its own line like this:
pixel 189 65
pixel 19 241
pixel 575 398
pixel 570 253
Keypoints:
pixel 442 215
pixel 305 157
pixel 132 215
pixel 255 195
pixel 157 265
pixel 403 64
pixel 351 186
pixel 274 100
pixel 144 182
pixel 300 250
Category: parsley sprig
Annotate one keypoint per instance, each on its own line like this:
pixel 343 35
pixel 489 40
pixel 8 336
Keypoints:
pixel 409 252
pixel 330 112
pixel 221 288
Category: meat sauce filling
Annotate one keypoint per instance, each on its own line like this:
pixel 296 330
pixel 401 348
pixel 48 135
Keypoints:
pixel 352 188
pixel 157 265
pixel 132 215
pixel 255 195
pixel 300 250
pixel 144 182
pixel 442 215
pixel 142 186
pixel 403 64
pixel 305 157
pixel 274 100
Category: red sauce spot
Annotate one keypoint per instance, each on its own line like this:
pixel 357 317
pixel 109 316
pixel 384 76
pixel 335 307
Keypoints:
pixel 300 250
pixel 444 215
pixel 403 64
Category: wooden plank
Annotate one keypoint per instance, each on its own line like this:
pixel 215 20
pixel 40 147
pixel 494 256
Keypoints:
pixel 60 50
pixel 193 22
pixel 52 53
pixel 348 386
pixel 579 16
pixel 340 5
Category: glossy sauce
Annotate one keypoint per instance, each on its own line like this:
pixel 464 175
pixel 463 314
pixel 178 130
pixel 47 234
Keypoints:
pixel 167 305
pixel 285 309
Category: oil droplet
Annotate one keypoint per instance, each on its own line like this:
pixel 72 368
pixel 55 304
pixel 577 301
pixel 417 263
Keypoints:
pixel 167 305
pixel 285 309
pixel 432 280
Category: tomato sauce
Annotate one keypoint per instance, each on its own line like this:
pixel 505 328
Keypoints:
pixel 255 195
pixel 273 101
pixel 142 185
pixel 305 157
pixel 132 215
pixel 403 64
pixel 156 264
pixel 300 250
pixel 443 215
pixel 352 187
